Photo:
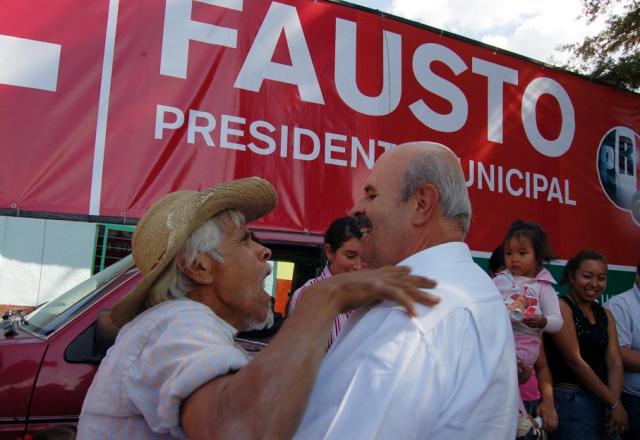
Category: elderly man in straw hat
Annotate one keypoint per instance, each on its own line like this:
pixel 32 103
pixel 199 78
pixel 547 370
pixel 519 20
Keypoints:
pixel 175 370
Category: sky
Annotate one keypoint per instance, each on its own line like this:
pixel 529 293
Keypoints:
pixel 533 28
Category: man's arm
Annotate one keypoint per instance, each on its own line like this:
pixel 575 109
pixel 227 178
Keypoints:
pixel 630 359
pixel 624 325
pixel 267 398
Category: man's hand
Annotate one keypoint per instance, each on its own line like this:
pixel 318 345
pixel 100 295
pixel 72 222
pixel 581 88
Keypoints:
pixel 359 288
pixel 536 321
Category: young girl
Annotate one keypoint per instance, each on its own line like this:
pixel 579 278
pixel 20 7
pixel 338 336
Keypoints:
pixel 527 290
pixel 342 250
pixel 529 296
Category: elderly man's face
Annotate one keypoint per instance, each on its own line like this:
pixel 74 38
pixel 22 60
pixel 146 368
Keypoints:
pixel 239 279
pixel 384 245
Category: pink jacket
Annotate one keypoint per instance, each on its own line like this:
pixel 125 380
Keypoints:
pixel 538 295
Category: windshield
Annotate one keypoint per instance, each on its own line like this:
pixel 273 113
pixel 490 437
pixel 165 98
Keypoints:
pixel 51 316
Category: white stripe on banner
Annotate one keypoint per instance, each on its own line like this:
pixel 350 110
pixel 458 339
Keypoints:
pixel 103 109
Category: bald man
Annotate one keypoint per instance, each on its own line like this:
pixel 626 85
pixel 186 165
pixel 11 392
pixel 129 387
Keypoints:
pixel 450 372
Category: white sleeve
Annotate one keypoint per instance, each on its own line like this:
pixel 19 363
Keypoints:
pixel 624 321
pixel 187 353
pixel 550 307
pixel 504 285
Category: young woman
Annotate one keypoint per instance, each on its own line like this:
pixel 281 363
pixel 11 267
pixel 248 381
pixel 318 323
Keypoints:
pixel 342 250
pixel 584 357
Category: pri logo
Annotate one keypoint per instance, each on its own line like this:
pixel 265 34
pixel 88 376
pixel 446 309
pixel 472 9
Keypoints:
pixel 618 169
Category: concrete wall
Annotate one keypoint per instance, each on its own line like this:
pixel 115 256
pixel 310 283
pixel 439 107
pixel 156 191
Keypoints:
pixel 41 259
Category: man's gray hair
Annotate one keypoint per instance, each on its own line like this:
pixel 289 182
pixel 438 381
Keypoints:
pixel 436 169
pixel 173 283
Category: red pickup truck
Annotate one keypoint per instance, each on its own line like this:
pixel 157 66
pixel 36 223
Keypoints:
pixel 49 357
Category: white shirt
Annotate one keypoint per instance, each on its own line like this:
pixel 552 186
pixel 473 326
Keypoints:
pixel 158 360
pixel 625 308
pixel 449 373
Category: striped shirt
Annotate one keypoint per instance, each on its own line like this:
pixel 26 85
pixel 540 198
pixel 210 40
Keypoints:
pixel 158 360
pixel 340 320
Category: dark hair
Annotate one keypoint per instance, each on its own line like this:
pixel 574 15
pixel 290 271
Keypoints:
pixel 496 261
pixel 538 237
pixel 340 230
pixel 573 264
pixel 638 267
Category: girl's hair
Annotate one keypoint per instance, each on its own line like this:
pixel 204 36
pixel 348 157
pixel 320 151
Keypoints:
pixel 574 263
pixel 496 261
pixel 538 237
pixel 340 230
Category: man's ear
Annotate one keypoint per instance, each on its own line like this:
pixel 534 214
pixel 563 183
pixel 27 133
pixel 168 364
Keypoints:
pixel 426 202
pixel 201 270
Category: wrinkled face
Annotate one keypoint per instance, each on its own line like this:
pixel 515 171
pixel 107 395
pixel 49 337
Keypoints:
pixel 385 244
pixel 589 280
pixel 239 279
pixel 346 258
pixel 520 258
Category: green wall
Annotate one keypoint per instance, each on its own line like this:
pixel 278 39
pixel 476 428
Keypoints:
pixel 617 281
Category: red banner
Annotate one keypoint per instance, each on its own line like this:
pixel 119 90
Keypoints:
pixel 107 105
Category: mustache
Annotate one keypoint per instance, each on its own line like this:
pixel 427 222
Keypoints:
pixel 363 222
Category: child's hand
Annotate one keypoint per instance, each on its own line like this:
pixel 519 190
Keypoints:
pixel 524 373
pixel 536 321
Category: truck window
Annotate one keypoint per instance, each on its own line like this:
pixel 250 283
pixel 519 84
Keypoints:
pixel 51 316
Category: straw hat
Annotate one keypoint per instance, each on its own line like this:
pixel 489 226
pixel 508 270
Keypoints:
pixel 167 225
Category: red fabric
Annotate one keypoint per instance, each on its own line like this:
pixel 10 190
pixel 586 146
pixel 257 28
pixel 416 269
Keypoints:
pixel 49 137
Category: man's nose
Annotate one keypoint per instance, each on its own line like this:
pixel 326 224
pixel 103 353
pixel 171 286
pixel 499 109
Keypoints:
pixel 357 209
pixel 264 253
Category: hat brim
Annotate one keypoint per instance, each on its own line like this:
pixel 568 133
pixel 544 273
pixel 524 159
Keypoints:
pixel 253 197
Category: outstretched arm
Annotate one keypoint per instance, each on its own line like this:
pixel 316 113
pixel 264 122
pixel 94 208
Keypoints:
pixel 267 398
pixel 624 328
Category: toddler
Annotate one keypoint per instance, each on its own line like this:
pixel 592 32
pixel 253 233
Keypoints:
pixel 532 302
pixel 527 288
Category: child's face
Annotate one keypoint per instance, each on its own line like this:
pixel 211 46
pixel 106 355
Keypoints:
pixel 520 258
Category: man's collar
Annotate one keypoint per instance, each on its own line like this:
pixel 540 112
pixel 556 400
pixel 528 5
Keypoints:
pixel 441 254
